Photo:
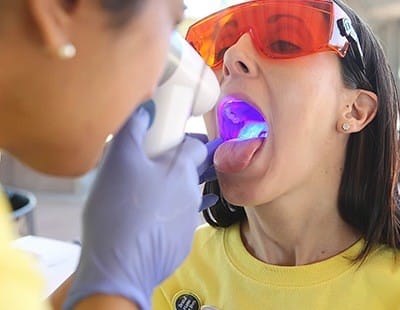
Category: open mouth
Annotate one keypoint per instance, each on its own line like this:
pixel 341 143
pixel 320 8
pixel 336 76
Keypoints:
pixel 239 120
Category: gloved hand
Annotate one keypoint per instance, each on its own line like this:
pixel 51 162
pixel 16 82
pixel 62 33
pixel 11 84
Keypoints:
pixel 206 170
pixel 140 217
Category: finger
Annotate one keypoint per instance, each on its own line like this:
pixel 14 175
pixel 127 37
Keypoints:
pixel 202 137
pixel 212 146
pixel 137 125
pixel 129 139
pixel 206 174
pixel 150 107
pixel 205 165
pixel 194 149
pixel 208 201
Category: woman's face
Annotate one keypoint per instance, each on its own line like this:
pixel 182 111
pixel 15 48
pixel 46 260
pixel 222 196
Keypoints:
pixel 302 100
pixel 57 114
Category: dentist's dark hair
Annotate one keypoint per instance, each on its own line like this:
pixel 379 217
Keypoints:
pixel 122 10
pixel 368 198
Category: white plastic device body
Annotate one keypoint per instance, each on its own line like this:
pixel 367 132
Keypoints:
pixel 187 88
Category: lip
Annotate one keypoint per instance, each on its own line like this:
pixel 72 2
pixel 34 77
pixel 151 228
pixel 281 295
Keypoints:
pixel 252 114
pixel 239 96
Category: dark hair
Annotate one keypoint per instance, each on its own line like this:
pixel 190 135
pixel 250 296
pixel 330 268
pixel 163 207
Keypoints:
pixel 368 193
pixel 122 10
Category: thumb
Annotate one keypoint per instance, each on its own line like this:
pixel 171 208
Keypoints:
pixel 129 138
pixel 136 126
pixel 200 136
pixel 150 107
pixel 207 164
pixel 212 146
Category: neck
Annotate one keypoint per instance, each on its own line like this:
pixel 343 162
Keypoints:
pixel 298 233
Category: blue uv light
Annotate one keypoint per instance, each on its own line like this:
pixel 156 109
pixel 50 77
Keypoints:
pixel 238 119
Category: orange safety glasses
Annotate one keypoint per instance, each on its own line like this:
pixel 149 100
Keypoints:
pixel 280 29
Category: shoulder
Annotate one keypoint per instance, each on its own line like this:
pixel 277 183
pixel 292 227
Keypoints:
pixel 383 263
pixel 209 236
pixel 384 255
pixel 208 250
pixel 205 233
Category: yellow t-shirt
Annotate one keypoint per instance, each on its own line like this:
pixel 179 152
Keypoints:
pixel 220 272
pixel 21 287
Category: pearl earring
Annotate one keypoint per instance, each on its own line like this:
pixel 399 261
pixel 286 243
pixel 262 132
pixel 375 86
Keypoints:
pixel 345 126
pixel 66 51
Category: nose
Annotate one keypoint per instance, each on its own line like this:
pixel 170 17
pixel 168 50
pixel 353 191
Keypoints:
pixel 240 58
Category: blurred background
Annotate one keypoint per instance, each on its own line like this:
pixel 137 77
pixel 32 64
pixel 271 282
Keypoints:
pixel 55 205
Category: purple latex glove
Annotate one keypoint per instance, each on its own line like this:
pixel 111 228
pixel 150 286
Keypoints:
pixel 140 217
pixel 206 170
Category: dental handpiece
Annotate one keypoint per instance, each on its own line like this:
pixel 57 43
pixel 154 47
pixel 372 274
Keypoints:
pixel 187 88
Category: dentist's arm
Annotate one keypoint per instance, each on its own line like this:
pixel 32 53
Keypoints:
pixel 99 302
pixel 138 222
pixel 206 172
pixel 106 302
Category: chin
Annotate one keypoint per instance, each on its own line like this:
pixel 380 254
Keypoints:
pixel 62 164
pixel 65 168
pixel 243 193
pixel 238 196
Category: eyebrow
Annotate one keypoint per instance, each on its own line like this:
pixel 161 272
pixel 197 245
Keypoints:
pixel 275 18
pixel 228 25
pixel 302 30
pixel 231 22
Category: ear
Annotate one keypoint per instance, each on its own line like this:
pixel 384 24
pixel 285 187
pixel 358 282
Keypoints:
pixel 52 18
pixel 359 113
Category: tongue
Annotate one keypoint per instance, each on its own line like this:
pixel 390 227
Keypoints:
pixel 234 155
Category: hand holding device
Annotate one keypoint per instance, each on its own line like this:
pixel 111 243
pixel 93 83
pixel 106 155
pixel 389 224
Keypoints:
pixel 206 170
pixel 140 217
pixel 188 88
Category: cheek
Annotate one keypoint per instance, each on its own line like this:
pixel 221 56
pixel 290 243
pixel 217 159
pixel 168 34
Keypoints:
pixel 140 72
pixel 149 65
pixel 211 124
pixel 157 29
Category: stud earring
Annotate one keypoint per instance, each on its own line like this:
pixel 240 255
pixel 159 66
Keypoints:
pixel 345 126
pixel 66 51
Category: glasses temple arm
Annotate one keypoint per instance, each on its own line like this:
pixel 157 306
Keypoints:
pixel 347 31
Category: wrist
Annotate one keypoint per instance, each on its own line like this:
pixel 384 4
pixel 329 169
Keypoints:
pixel 92 280
pixel 101 301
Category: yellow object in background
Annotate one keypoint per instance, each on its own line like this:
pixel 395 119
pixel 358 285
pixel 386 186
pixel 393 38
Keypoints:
pixel 21 286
